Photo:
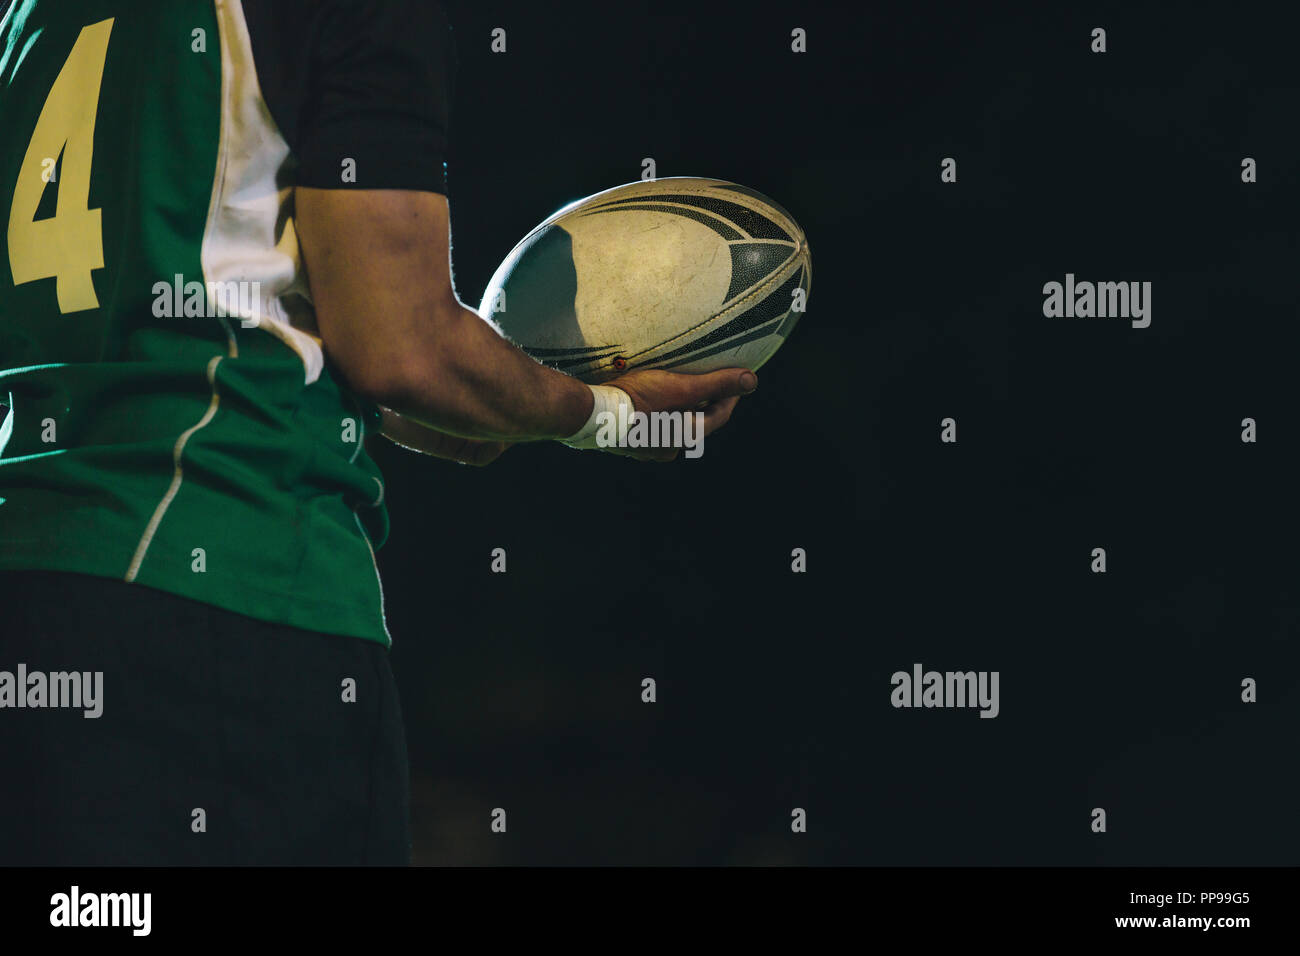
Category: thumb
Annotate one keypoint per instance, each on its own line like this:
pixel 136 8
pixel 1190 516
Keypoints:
pixel 724 383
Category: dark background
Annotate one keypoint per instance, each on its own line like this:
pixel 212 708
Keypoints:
pixel 1118 690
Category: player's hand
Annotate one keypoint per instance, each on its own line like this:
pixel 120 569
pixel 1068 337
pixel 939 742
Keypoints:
pixel 713 393
pixel 429 441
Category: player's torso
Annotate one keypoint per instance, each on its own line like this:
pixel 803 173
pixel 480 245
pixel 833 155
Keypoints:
pixel 169 397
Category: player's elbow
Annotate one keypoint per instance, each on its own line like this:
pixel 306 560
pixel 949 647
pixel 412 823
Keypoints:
pixel 401 360
pixel 377 378
pixel 420 373
pixel 394 378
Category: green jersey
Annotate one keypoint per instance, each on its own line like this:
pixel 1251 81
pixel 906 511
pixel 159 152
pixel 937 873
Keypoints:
pixel 172 420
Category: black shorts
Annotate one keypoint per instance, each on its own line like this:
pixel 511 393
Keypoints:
pixel 222 739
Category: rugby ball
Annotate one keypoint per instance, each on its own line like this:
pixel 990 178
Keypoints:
pixel 684 274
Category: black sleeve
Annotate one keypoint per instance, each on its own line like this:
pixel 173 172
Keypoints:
pixel 366 80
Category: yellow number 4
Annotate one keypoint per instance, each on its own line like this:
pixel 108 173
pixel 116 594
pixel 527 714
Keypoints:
pixel 71 244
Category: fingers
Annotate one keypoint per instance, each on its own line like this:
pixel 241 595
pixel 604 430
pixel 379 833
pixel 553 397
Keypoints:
pixel 724 383
pixel 719 413
pixel 653 390
pixel 714 415
pixel 714 395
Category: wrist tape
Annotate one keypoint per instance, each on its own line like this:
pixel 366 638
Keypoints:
pixel 607 399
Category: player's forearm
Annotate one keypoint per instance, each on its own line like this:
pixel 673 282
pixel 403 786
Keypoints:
pixel 462 377
pixel 390 321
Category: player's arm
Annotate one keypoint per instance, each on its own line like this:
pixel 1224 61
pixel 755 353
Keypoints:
pixel 378 262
